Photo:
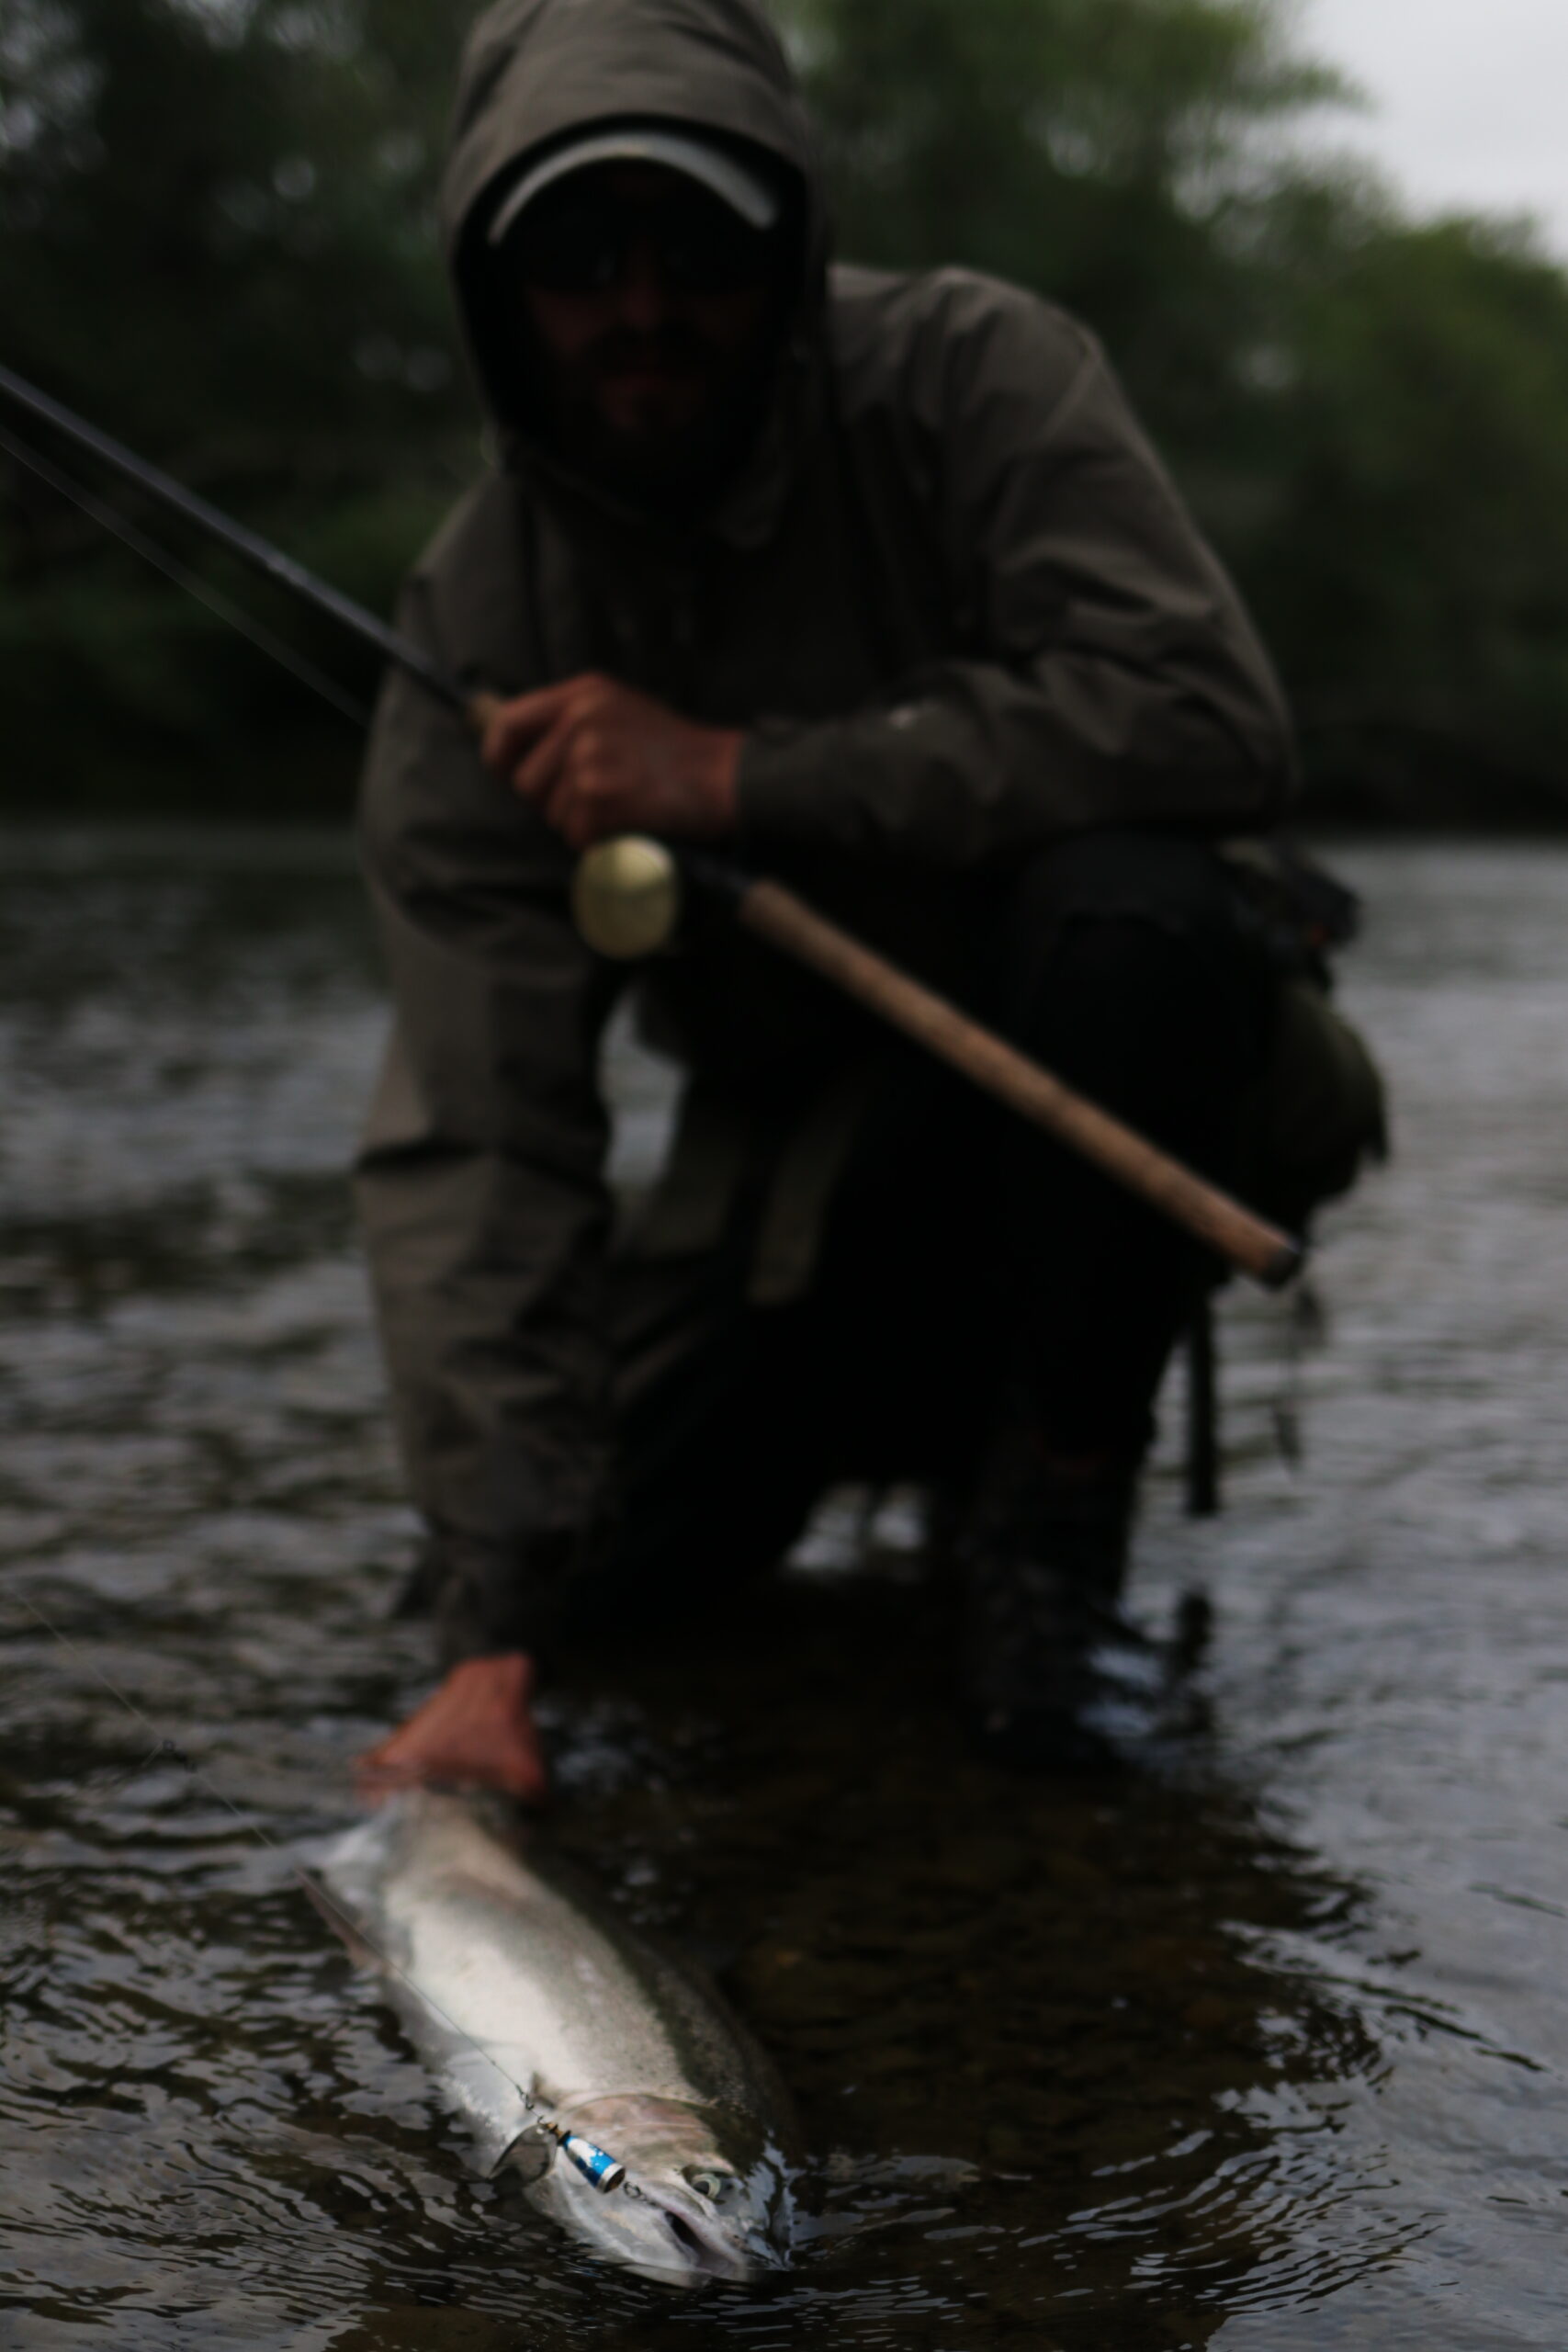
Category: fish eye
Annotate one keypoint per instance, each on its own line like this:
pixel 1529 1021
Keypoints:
pixel 709 2182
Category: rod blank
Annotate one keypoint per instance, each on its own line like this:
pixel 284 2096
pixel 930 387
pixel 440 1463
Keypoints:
pixel 257 552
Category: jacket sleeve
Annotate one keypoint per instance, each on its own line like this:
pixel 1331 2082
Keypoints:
pixel 1105 671
pixel 480 1176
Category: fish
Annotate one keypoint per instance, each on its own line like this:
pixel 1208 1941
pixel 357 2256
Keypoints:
pixel 545 2014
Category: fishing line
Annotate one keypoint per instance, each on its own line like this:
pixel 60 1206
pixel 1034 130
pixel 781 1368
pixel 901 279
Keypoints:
pixel 255 632
pixel 264 558
pixel 594 2165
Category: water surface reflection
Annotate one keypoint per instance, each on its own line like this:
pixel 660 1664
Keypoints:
pixel 1263 2051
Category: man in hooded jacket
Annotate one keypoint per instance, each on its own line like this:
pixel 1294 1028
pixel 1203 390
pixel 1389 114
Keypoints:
pixel 873 580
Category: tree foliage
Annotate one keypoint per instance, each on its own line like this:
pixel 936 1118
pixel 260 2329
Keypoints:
pixel 216 241
pixel 1366 412
pixel 216 238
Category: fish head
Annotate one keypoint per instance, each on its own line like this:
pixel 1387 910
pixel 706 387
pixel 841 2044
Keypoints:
pixel 706 2194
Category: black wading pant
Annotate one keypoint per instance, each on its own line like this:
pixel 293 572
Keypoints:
pixel 971 1269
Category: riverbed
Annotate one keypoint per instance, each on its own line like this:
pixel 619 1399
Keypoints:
pixel 1266 2048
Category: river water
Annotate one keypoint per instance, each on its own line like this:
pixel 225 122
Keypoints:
pixel 1267 2049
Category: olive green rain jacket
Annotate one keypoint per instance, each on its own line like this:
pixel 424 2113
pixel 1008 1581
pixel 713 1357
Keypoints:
pixel 959 611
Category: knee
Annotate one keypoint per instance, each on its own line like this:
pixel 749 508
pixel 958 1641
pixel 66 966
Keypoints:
pixel 1127 966
pixel 1116 995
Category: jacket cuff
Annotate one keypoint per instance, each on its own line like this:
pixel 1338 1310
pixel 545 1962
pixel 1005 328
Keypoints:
pixel 788 786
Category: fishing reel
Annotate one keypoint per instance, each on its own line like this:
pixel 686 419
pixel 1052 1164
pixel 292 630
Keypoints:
pixel 628 898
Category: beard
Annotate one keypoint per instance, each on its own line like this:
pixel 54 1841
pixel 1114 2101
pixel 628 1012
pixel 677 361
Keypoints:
pixel 663 420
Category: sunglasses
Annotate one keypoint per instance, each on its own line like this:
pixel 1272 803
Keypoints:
pixel 583 243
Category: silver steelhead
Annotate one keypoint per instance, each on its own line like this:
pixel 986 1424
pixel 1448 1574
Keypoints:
pixel 511 1977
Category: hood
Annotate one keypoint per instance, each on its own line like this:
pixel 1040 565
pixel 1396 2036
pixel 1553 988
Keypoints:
pixel 536 71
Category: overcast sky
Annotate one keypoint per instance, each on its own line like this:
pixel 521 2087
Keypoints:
pixel 1469 99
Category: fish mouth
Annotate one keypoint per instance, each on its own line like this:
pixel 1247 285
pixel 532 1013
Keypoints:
pixel 700 2246
pixel 694 2205
pixel 706 2251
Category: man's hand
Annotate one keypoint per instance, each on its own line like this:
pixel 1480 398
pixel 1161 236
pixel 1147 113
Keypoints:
pixel 477 1731
pixel 596 758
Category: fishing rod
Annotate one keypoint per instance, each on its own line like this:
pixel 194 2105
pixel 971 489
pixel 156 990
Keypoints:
pixel 255 632
pixel 257 552
pixel 598 2167
pixel 628 897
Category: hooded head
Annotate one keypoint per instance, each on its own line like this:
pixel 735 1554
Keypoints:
pixel 554 97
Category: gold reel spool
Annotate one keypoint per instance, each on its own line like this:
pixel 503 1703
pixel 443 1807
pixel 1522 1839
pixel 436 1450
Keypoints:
pixel 625 898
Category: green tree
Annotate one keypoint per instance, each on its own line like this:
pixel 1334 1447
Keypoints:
pixel 1110 152
pixel 1412 558
pixel 215 239
pixel 1365 413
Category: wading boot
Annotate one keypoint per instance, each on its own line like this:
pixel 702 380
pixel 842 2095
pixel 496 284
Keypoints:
pixel 1054 1677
